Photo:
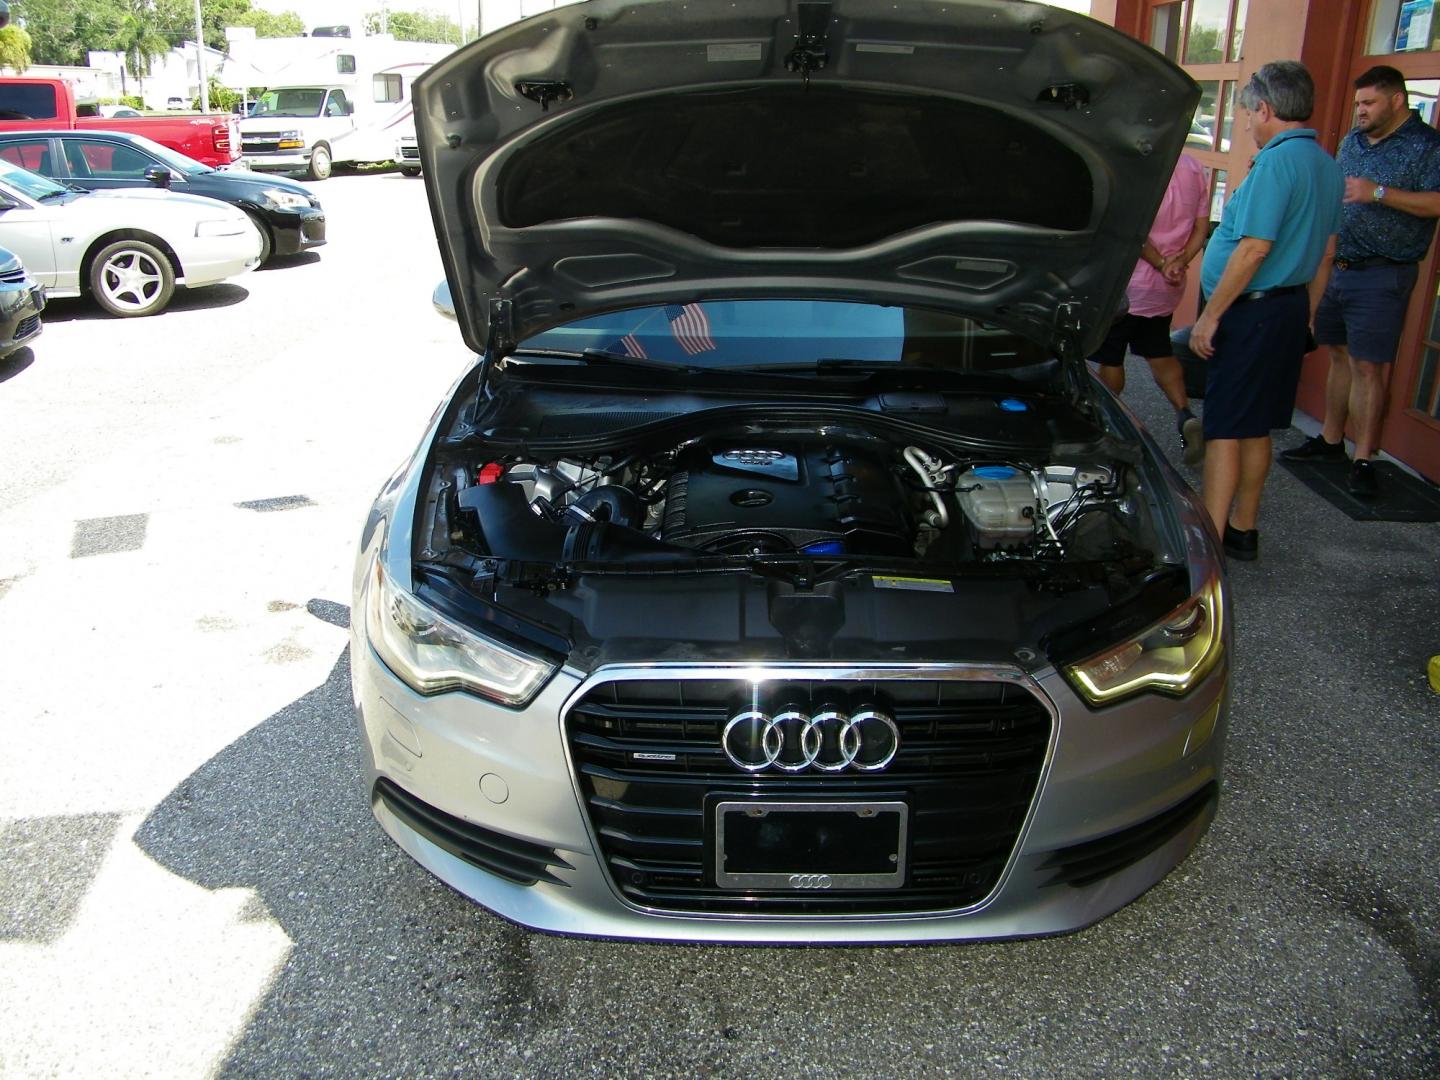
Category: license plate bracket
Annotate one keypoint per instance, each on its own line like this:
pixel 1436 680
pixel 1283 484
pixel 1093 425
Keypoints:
pixel 842 844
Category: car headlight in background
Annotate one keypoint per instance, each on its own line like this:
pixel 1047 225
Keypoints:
pixel 281 199
pixel 291 140
pixel 431 654
pixel 235 226
pixel 1169 657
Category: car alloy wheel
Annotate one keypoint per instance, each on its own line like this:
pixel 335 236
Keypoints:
pixel 131 278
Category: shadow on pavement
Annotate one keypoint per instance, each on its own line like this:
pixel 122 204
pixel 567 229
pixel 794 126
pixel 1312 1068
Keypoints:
pixel 16 362
pixel 82 308
pixel 285 262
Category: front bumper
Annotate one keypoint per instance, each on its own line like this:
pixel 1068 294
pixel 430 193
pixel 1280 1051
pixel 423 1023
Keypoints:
pixel 1123 796
pixel 20 306
pixel 297 231
pixel 209 260
pixel 280 161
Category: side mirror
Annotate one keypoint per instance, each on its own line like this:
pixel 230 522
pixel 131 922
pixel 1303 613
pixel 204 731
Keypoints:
pixel 158 175
pixel 443 301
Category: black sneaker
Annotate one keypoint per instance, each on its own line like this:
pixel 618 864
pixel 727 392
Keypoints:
pixel 1316 448
pixel 1363 484
pixel 1242 544
pixel 1192 441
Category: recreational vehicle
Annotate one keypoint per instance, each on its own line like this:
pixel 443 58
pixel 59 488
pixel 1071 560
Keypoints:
pixel 330 99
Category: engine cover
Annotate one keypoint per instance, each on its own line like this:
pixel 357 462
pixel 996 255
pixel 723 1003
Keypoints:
pixel 782 499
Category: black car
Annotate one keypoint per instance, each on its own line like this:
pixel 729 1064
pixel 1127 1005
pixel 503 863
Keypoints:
pixel 288 216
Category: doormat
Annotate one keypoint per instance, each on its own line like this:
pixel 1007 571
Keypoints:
pixel 1402 497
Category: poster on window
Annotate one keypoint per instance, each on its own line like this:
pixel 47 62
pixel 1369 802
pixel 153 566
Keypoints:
pixel 1412 32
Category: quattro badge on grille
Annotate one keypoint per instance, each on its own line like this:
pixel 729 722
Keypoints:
pixel 793 740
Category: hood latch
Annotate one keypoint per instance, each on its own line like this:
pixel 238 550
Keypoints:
pixel 545 91
pixel 810 52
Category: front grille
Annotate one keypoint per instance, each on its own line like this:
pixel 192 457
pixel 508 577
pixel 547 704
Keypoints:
pixel 13 277
pixel 409 153
pixel 27 327
pixel 970 758
pixel 513 859
pixel 262 145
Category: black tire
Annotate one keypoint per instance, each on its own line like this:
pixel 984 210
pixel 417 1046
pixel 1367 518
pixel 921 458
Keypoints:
pixel 320 165
pixel 131 279
pixel 409 170
pixel 267 241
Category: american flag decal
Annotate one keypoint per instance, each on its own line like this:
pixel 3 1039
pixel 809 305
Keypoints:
pixel 690 327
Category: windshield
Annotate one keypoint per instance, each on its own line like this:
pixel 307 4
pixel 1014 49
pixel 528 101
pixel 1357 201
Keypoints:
pixel 173 158
pixel 305 101
pixel 32 185
pixel 780 334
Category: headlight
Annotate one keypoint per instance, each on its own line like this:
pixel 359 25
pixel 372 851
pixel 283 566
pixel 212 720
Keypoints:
pixel 1169 657
pixel 225 227
pixel 285 200
pixel 432 654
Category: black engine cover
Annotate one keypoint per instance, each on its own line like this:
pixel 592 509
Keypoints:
pixel 786 498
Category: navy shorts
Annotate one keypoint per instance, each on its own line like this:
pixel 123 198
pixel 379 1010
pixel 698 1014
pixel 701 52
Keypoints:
pixel 1364 310
pixel 1147 336
pixel 1250 382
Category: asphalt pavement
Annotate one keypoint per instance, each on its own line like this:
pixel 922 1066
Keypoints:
pixel 191 883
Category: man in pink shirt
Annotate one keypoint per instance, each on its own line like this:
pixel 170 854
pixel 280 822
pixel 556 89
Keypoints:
pixel 1156 287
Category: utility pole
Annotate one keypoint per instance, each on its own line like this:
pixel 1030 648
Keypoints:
pixel 200 61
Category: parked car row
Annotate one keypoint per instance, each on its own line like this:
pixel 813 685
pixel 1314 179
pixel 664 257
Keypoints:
pixel 124 220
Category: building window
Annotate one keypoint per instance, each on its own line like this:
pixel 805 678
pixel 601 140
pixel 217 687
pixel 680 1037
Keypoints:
pixel 1199 31
pixel 387 88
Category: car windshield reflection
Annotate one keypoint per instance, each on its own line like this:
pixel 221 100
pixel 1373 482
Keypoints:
pixel 791 334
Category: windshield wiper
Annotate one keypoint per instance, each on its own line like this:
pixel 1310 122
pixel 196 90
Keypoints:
pixel 605 358
pixel 58 194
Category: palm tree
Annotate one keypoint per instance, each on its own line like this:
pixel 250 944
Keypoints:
pixel 140 40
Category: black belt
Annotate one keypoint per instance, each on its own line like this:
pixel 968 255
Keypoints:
pixel 1263 294
pixel 1367 263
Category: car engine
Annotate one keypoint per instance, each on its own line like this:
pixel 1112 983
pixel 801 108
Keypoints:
pixel 821 497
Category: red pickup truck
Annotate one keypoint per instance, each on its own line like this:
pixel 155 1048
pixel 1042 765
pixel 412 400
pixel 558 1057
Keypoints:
pixel 49 104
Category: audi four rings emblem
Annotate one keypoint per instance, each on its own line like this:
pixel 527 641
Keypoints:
pixel 792 740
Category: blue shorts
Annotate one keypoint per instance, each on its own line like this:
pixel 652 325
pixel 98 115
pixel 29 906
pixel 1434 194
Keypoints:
pixel 1250 382
pixel 1364 310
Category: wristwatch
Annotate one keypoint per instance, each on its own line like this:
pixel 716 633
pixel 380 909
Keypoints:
pixel 1379 192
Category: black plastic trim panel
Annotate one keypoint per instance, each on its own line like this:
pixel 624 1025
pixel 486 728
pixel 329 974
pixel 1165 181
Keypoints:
pixel 515 860
pixel 1084 864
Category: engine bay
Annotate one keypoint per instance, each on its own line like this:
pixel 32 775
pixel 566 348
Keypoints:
pixel 845 495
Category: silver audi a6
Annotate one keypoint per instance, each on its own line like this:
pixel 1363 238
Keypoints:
pixel 777 572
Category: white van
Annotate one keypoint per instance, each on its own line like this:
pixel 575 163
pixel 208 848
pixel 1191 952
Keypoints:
pixel 346 102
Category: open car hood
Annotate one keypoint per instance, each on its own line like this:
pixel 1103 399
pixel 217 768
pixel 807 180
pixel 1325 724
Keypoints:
pixel 991 158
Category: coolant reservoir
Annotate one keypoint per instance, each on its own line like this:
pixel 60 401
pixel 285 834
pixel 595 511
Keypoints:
pixel 999 503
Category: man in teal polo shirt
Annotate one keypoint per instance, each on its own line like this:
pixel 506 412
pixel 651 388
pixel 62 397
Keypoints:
pixel 1259 277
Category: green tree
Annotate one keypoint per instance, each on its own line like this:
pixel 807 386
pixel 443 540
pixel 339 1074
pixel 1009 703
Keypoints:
pixel 267 24
pixel 63 31
pixel 416 26
pixel 140 40
pixel 14 49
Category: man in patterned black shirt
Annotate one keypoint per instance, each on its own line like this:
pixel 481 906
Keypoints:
pixel 1391 162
